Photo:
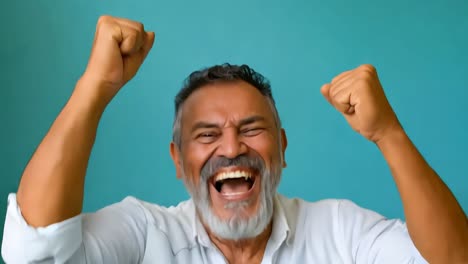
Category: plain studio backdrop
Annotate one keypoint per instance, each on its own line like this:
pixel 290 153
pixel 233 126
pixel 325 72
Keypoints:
pixel 419 49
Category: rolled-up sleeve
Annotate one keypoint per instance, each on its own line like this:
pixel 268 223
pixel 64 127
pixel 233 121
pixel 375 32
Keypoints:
pixel 23 243
pixel 115 234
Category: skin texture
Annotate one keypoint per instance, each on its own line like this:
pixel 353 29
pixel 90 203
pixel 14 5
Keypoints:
pixel 436 222
pixel 51 188
pixel 229 119
pixel 223 133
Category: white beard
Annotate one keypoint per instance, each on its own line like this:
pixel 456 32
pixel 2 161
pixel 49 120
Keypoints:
pixel 240 226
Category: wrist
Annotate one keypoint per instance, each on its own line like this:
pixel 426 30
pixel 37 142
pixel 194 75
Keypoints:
pixel 394 136
pixel 88 99
pixel 92 94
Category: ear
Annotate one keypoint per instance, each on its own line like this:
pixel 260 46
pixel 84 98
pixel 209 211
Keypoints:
pixel 284 144
pixel 175 154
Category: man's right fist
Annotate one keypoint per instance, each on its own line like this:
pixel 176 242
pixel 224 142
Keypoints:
pixel 120 47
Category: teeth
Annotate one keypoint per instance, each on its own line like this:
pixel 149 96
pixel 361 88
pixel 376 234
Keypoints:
pixel 233 175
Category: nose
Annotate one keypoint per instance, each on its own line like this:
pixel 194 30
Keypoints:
pixel 231 145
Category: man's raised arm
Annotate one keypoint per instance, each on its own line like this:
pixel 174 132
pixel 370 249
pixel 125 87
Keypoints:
pixel 51 188
pixel 436 223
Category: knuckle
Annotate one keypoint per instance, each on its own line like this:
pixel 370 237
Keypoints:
pixel 365 75
pixel 363 85
pixel 325 87
pixel 132 33
pixel 140 27
pixel 361 82
pixel 335 79
pixel 368 67
pixel 105 23
pixel 332 90
pixel 104 19
pixel 131 39
pixel 340 76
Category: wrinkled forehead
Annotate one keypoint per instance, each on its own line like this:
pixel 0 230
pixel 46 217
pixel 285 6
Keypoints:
pixel 225 102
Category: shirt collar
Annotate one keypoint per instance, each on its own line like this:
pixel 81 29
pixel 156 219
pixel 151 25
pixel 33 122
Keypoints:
pixel 281 225
pixel 199 231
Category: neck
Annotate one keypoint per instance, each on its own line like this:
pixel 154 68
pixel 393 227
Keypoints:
pixel 242 251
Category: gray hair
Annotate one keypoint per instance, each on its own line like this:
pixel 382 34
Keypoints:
pixel 220 73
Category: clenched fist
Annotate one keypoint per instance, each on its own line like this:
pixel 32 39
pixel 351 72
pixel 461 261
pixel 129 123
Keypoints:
pixel 359 96
pixel 120 47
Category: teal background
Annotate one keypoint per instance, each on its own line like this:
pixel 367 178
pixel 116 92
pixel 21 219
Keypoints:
pixel 418 47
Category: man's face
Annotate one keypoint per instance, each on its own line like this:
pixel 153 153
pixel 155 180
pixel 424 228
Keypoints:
pixel 231 151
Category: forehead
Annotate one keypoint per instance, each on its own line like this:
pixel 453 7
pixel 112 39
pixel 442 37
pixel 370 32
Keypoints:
pixel 224 102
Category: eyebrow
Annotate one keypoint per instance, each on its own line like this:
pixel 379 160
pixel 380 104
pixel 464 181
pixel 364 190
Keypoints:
pixel 251 120
pixel 246 121
pixel 203 124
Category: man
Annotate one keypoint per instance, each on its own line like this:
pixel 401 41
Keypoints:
pixel 228 148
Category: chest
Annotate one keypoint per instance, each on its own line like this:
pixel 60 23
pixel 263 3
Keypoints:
pixel 160 249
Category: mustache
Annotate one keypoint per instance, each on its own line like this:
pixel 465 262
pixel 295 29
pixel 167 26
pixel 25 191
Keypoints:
pixel 255 163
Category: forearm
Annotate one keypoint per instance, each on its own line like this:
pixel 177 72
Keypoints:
pixel 435 220
pixel 51 188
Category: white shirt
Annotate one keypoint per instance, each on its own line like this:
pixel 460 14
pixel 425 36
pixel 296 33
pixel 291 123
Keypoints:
pixel 134 231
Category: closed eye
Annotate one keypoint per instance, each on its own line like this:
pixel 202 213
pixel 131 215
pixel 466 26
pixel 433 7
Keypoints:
pixel 251 132
pixel 207 137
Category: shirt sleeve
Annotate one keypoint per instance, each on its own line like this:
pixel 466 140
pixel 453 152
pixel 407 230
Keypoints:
pixel 115 234
pixel 375 239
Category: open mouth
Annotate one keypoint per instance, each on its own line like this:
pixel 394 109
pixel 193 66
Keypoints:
pixel 234 182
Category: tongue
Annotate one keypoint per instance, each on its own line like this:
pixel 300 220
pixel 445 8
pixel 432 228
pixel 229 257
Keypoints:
pixel 235 186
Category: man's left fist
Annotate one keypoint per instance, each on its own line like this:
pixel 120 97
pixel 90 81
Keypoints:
pixel 359 96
